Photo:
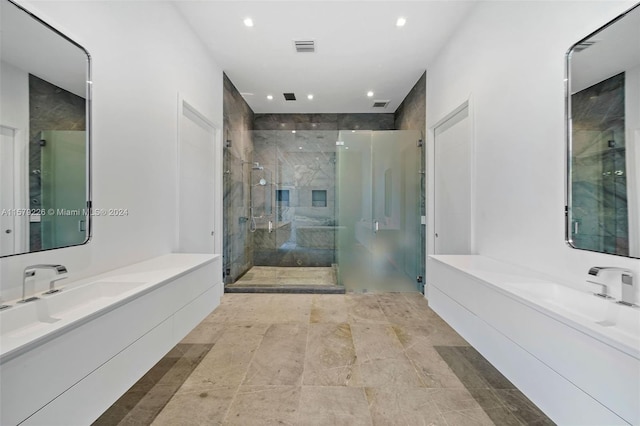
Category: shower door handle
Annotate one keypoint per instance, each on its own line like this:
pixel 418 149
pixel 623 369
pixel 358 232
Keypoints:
pixel 270 226
pixel 376 226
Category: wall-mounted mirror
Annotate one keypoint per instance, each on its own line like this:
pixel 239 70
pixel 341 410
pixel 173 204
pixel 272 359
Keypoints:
pixel 603 139
pixel 44 128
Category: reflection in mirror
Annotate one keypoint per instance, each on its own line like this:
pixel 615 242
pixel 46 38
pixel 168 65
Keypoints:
pixel 603 132
pixel 44 150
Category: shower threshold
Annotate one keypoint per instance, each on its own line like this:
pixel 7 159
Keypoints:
pixel 278 279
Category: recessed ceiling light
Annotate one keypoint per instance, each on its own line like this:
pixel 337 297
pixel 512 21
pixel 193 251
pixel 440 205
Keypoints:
pixel 270 97
pixel 293 131
pixel 400 22
pixel 248 22
pixel 299 147
pixel 353 131
pixel 370 94
pixel 309 96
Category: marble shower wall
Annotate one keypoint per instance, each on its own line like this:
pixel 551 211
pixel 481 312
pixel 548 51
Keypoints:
pixel 50 108
pixel 412 115
pixel 324 122
pixel 599 183
pixel 238 156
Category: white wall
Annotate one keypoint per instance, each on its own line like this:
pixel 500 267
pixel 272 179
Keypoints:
pixel 508 58
pixel 143 55
pixel 14 86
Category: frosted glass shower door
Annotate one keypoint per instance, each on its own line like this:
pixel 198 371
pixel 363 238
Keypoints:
pixel 379 210
pixel 64 192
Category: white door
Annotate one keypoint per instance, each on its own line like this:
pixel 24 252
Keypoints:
pixel 196 182
pixel 452 198
pixel 7 191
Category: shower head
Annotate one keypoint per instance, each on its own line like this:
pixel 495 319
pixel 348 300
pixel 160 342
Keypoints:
pixel 257 166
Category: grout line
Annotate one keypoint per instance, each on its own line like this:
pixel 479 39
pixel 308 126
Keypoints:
pixel 235 395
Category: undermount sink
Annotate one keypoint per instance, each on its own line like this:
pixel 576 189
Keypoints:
pixel 597 310
pixel 33 317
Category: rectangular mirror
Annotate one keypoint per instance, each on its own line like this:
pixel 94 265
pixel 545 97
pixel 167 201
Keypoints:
pixel 45 137
pixel 603 139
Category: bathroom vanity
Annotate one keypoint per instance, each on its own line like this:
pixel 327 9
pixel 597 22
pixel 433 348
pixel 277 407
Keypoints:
pixel 575 355
pixel 65 358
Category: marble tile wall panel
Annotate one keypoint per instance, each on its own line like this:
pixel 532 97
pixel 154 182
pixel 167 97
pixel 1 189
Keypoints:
pixel 366 121
pixel 50 108
pixel 238 156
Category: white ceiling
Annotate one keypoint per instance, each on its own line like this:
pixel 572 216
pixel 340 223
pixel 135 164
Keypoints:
pixel 36 49
pixel 616 49
pixel 358 48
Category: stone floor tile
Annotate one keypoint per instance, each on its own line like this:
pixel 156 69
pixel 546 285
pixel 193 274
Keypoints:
pixel 227 362
pixel 205 332
pixel 376 341
pixel 466 373
pixel 329 308
pixel 403 406
pixel 488 372
pixel 277 308
pixel 381 358
pixel 398 310
pixel 453 400
pixel 364 308
pixel 205 406
pixel 264 405
pixel 522 407
pixel 331 356
pixel 433 371
pixel 472 417
pixel 279 360
pixel 333 406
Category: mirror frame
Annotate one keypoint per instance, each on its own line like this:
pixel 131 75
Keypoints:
pixel 88 132
pixel 569 134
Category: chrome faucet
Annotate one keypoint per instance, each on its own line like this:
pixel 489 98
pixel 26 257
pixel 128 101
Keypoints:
pixel 627 292
pixel 30 271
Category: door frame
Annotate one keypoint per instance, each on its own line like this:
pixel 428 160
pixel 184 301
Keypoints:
pixel 20 195
pixel 431 166
pixel 185 107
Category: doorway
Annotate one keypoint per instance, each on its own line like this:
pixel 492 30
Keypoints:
pixel 452 184
pixel 197 162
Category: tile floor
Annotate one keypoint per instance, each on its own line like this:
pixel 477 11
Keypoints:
pixel 323 359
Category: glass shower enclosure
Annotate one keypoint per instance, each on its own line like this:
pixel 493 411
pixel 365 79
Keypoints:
pixel 343 206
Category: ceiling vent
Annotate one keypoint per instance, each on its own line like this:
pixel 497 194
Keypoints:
pixel 305 46
pixel 289 96
pixel 380 104
pixel 584 45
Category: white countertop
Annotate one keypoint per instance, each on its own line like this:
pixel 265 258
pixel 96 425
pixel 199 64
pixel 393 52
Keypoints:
pixel 23 325
pixel 566 304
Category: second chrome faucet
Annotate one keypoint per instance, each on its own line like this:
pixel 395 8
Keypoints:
pixel 30 272
pixel 627 282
